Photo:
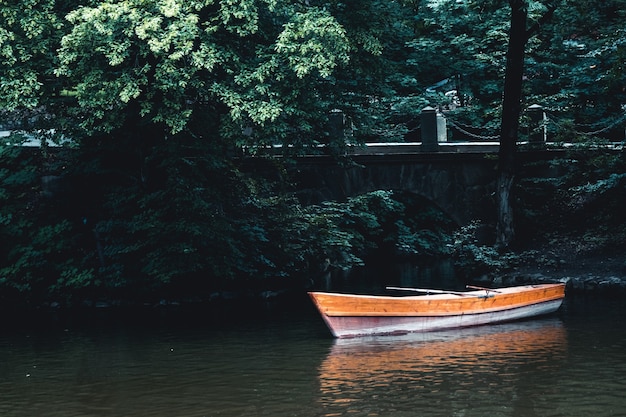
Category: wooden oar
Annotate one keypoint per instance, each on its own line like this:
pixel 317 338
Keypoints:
pixel 429 291
pixel 473 287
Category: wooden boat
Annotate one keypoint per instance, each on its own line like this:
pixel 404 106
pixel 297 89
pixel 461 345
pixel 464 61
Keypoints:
pixel 349 315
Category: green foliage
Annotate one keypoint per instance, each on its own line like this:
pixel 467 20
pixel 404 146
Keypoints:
pixel 582 194
pixel 163 62
pixel 316 237
pixel 463 43
pixel 17 181
pixel 40 251
pixel 275 69
pixel 383 224
pixel 159 95
pixel 29 32
pixel 472 258
pixel 601 186
pixel 313 40
pixel 574 66
pixel 173 223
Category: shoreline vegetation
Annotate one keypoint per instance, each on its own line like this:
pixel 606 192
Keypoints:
pixel 123 124
pixel 586 275
pixel 572 228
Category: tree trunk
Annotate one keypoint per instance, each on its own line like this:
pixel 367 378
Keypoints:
pixel 511 109
pixel 505 231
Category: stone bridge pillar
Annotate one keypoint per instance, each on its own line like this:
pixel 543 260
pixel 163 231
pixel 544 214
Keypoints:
pixel 433 129
pixel 537 128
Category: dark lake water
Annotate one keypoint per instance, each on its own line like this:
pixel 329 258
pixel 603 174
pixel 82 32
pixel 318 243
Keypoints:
pixel 286 364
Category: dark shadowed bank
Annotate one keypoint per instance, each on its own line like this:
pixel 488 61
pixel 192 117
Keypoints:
pixel 588 275
pixel 150 249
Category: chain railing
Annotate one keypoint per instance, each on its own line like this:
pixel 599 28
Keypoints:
pixel 466 132
pixel 600 127
pixel 550 119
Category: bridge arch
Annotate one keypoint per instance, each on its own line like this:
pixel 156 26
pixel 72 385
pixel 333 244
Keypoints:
pixel 462 186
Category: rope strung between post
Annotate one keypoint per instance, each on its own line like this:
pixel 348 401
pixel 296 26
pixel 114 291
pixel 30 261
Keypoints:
pixel 606 128
pixel 550 120
pixel 470 134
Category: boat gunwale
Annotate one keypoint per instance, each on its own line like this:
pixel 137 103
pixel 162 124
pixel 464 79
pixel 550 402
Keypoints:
pixel 447 296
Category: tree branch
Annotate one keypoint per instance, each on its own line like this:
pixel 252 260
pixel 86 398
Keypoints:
pixel 547 16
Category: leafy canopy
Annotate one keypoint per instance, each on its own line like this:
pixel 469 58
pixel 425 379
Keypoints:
pixel 29 34
pixel 169 59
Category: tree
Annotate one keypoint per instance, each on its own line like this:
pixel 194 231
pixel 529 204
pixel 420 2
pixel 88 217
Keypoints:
pixel 159 95
pixel 28 35
pixel 575 71
pixel 167 91
pixel 30 94
pixel 519 34
pixel 254 63
pixel 163 93
pixel 473 34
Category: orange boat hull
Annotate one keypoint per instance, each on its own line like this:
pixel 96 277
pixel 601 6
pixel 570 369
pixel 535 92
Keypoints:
pixel 349 315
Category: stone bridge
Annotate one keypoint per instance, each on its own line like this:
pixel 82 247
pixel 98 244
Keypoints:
pixel 461 184
pixel 458 177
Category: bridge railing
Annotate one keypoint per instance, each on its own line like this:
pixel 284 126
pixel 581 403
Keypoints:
pixel 540 124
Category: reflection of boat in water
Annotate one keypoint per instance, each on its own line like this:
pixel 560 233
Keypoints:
pixel 349 315
pixel 424 360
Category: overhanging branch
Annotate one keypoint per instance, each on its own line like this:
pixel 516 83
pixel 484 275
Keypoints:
pixel 542 20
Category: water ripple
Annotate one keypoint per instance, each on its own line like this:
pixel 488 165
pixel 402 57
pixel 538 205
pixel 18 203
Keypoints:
pixel 572 366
